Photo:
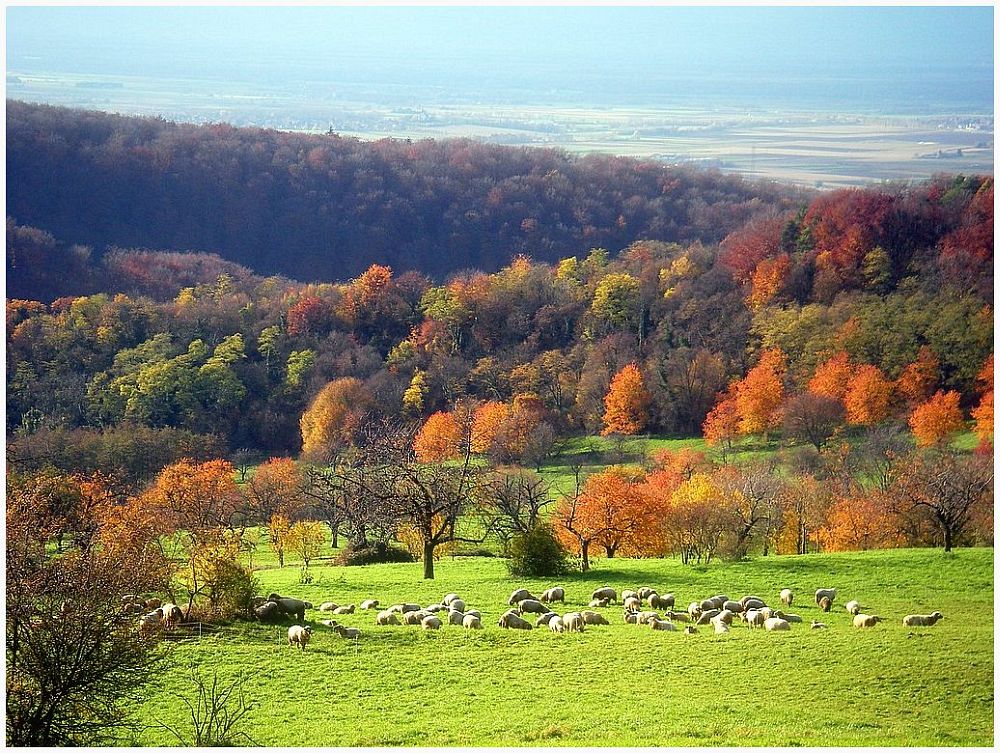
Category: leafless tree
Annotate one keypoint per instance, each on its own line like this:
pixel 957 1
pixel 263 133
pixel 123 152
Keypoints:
pixel 512 502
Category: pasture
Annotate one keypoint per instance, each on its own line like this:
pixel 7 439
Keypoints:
pixel 620 684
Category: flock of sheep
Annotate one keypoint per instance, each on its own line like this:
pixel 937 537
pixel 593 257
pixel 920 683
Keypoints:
pixel 639 608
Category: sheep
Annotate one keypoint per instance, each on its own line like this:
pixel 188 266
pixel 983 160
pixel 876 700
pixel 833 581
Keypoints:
pixel 328 606
pixel 694 610
pixel 299 635
pixel 129 599
pixel 404 608
pixel 690 630
pixel 745 599
pixel 457 604
pixel 666 601
pixel 369 604
pixel 776 623
pixel 436 608
pixel 642 618
pixel 532 605
pixel 556 625
pixel 511 620
pixel 455 617
pixel 853 606
pixel 786 596
pixel 818 625
pixel 754 618
pixel 767 612
pixel 414 618
pixel 292 607
pixel 172 615
pixel 598 603
pixel 346 632
pixel 706 617
pixel 268 612
pixel 385 617
pixel 556 593
pixel 678 616
pixel 661 625
pixel 645 592
pixel 721 627
pixel 572 622
pixel 593 618
pixel 922 620
pixel 544 619
pixel 474 613
pixel 733 606
pixel 348 609
pixel 449 598
pixel 632 604
pixel 430 622
pixel 753 603
pixel 830 593
pixel 152 603
pixel 709 604
pixel 471 622
pixel 725 616
pixel 787 616
pixel 631 618
pixel 520 595
pixel 629 594
pixel 866 620
pixel 329 623
pixel 721 598
pixel 606 593
pixel 825 603
pixel 150 623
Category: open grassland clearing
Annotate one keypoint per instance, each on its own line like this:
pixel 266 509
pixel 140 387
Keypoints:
pixel 619 684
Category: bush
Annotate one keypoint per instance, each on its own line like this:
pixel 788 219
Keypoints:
pixel 372 554
pixel 537 553
pixel 232 591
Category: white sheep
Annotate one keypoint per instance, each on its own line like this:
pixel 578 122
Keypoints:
pixel 866 620
pixel 787 616
pixel 385 617
pixel 830 593
pixel 709 604
pixel 753 603
pixel 706 617
pixel 786 596
pixel 474 613
pixel 662 625
pixel 694 609
pixel 776 623
pixel 632 604
pixel 641 618
pixel 328 606
pixel 598 603
pixel 556 625
pixel 631 618
pixel 593 618
pixel 532 605
pixel 150 623
pixel 573 622
pixel 369 604
pixel 519 595
pixel 455 617
pixel 826 603
pixel 629 594
pixel 733 606
pixel 512 620
pixel 458 605
pixel 329 623
pixel 922 620
pixel 606 593
pixel 721 627
pixel 556 593
pixel 678 616
pixel 414 618
pixel 404 608
pixel 725 616
pixel 172 615
pixel 544 619
pixel 853 606
pixel 346 609
pixel 656 601
pixel 754 618
pixel 436 608
pixel 299 635
pixel 430 622
pixel 449 598
pixel 471 622
pixel 767 612
pixel 350 633
pixel 645 592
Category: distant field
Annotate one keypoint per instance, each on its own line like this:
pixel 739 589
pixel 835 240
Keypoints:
pixel 620 684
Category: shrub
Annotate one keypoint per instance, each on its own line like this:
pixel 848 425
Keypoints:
pixel 537 553
pixel 373 553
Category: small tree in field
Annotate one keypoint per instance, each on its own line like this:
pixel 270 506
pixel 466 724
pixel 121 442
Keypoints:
pixel 306 539
pixel 277 531
pixel 934 421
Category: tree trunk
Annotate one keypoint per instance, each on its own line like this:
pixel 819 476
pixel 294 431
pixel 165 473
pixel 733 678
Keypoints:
pixel 947 538
pixel 281 558
pixel 428 560
pixel 334 534
pixel 584 552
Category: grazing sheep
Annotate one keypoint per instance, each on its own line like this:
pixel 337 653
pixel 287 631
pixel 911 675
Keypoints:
pixel 776 623
pixel 818 625
pixel 520 595
pixel 572 622
pixel 556 625
pixel 299 635
pixel 328 606
pixel 706 617
pixel 532 605
pixel 593 618
pixel 268 612
pixel 767 612
pixel 474 613
pixel 556 593
pixel 786 596
pixel 404 608
pixel 830 593
pixel 747 598
pixel 385 617
pixel 708 605
pixel 458 605
pixel 694 610
pixel 606 593
pixel 430 622
pixel 544 619
pixel 292 607
pixel 369 604
pixel 150 623
pixel 788 617
pixel 733 606
pixel 596 603
pixel 853 606
pixel 721 598
pixel 449 598
pixel 666 601
pixel 645 592
pixel 662 625
pixel 721 627
pixel 172 615
pixel 631 618
pixel 754 618
pixel 511 620
pixel 348 609
pixel 725 616
pixel 690 630
pixel 632 604
pixel 629 594
pixel 436 608
pixel 678 616
pixel 346 632
pixel 329 623
pixel 414 618
pixel 825 603
pixel 471 622
pixel 753 603
pixel 866 620
pixel 641 618
pixel 455 618
pixel 922 620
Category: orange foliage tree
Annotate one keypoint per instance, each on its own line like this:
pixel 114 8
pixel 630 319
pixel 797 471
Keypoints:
pixel 276 488
pixel 759 395
pixel 937 419
pixel 859 522
pixel 333 417
pixel 767 280
pixel 832 376
pixel 868 396
pixel 983 413
pixel 439 439
pixel 195 497
pixel 626 406
pixel 722 424
pixel 487 421
pixel 918 380
pixel 804 503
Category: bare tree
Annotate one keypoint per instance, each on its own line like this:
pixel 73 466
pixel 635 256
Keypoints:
pixel 812 418
pixel 512 502
pixel 752 495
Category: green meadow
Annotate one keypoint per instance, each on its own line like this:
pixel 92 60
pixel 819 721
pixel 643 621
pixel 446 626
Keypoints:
pixel 616 685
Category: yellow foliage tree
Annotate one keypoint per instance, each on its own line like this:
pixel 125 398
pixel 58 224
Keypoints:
pixel 333 417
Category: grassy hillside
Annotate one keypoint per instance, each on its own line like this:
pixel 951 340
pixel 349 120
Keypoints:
pixel 620 684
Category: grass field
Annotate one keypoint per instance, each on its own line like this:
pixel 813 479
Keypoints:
pixel 619 684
